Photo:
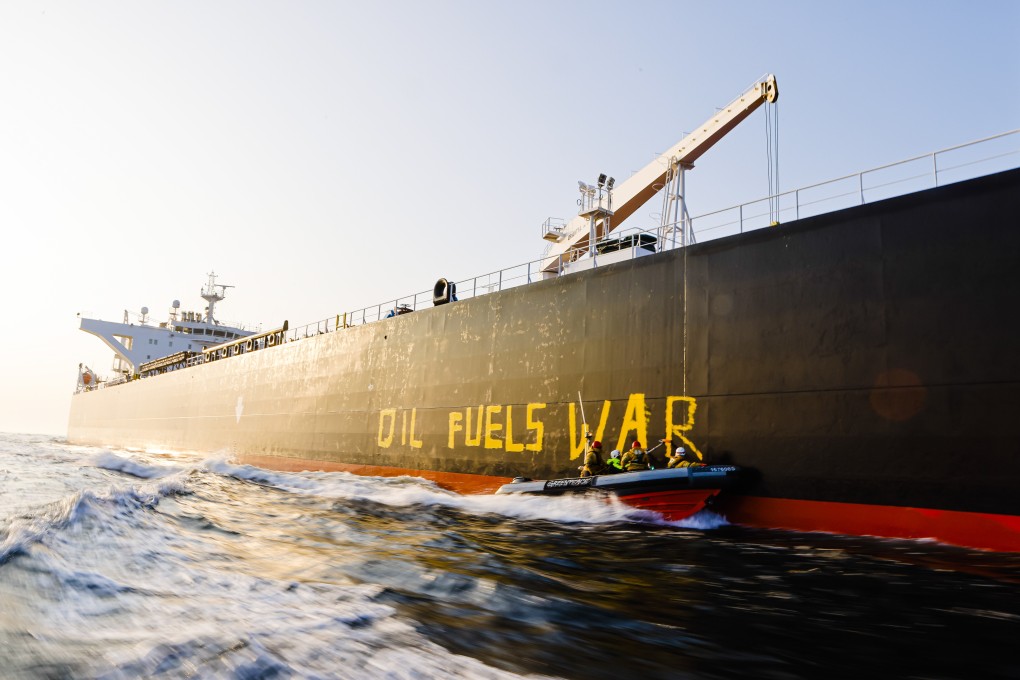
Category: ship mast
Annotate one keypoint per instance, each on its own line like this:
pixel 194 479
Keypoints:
pixel 212 293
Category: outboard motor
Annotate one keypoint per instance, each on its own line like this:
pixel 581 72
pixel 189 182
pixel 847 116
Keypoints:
pixel 444 291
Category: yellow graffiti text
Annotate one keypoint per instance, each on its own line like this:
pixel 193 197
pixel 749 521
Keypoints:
pixel 486 426
pixel 690 404
pixel 387 414
pixel 408 425
pixel 537 426
pixel 499 427
pixel 511 445
pixel 477 440
pixel 456 418
pixel 577 441
pixel 491 442
pixel 635 419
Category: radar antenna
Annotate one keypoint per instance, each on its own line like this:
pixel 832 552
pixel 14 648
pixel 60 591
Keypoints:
pixel 212 293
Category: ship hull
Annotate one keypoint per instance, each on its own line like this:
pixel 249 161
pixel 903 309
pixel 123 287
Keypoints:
pixel 859 359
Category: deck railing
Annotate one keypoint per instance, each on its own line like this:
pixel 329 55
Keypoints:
pixel 957 163
pixel 954 164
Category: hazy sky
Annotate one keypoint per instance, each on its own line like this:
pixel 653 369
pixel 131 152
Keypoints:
pixel 324 156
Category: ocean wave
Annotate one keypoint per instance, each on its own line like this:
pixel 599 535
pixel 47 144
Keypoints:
pixel 294 482
pixel 406 491
pixel 111 461
pixel 299 630
pixel 259 628
pixel 24 530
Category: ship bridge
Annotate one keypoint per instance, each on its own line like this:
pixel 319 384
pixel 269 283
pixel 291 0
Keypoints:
pixel 135 343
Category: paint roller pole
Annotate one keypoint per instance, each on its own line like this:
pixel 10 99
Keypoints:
pixel 584 426
pixel 649 453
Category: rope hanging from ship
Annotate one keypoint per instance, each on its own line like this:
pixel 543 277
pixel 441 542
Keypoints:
pixel 683 239
pixel 682 216
pixel 772 156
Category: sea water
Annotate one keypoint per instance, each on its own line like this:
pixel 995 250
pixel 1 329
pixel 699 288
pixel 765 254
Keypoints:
pixel 125 564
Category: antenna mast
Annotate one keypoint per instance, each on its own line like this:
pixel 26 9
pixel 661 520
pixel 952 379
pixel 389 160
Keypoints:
pixel 212 293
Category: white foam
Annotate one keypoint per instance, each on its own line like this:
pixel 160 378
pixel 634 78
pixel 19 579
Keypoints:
pixel 410 491
pixel 294 482
pixel 703 520
pixel 24 530
pixel 111 461
pixel 257 627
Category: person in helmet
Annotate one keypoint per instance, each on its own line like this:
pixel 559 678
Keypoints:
pixel 593 463
pixel 678 459
pixel 613 464
pixel 635 459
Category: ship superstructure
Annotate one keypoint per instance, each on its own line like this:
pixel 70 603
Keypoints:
pixel 137 343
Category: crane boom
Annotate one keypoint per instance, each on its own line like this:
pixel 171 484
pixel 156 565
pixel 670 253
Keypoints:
pixel 631 194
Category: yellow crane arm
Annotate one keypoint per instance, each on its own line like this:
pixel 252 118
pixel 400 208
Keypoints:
pixel 631 194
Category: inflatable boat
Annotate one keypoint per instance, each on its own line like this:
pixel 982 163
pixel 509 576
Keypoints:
pixel 675 493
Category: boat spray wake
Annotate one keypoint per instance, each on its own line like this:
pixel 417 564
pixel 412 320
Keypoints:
pixel 404 492
pixel 408 491
pixel 150 565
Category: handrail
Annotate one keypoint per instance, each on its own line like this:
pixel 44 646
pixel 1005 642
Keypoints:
pixel 471 284
pixel 877 169
pixel 504 278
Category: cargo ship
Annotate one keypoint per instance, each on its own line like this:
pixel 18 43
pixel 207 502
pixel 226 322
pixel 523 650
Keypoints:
pixel 860 363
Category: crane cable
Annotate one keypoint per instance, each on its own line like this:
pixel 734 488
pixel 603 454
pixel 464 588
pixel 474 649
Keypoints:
pixel 686 246
pixel 772 152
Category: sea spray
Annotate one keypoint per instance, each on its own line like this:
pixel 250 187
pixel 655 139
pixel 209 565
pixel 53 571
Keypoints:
pixel 133 564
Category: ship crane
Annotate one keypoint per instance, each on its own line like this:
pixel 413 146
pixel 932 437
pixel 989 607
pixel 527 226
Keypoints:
pixel 628 196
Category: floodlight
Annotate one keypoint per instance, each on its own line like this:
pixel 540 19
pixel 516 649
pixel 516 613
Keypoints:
pixel 602 180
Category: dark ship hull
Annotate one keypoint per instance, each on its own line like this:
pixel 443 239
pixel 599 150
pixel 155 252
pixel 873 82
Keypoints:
pixel 863 364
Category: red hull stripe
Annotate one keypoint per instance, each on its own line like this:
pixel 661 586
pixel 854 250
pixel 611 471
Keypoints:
pixel 454 481
pixel 673 505
pixel 972 529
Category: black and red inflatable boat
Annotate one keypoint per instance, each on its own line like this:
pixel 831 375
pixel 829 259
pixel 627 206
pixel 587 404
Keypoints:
pixel 675 493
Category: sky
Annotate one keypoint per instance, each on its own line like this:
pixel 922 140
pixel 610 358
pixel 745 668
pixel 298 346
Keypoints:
pixel 326 156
